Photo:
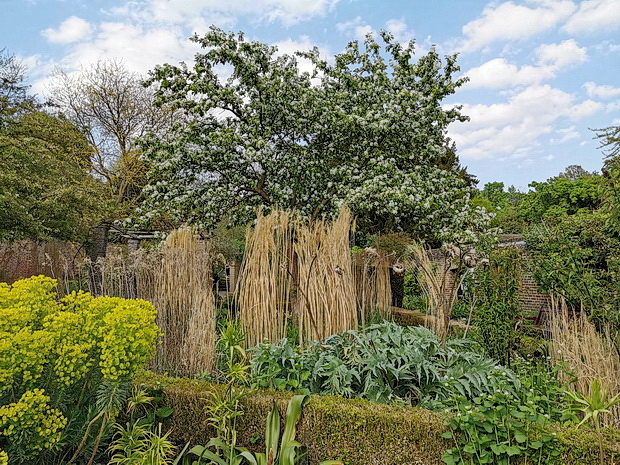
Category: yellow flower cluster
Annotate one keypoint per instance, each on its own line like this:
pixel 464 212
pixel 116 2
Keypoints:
pixel 32 421
pixel 128 337
pixel 4 458
pixel 66 346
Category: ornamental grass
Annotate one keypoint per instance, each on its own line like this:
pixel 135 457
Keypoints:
pixel 186 304
pixel 589 354
pixel 265 280
pixel 299 272
pixel 326 298
pixel 372 284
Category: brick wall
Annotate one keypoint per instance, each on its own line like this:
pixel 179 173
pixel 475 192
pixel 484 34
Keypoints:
pixel 23 259
pixel 530 297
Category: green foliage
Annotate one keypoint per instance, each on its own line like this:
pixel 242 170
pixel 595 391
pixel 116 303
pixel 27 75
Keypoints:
pixel 279 449
pixel 497 288
pixel 14 98
pixel 280 366
pixel 367 129
pixel 285 450
pixel 503 427
pixel 224 406
pixel 504 204
pixel 561 196
pixel 45 190
pixel 497 429
pixel 64 367
pixel 383 363
pixel 578 259
pixel 355 430
pixel 139 443
pixel 594 405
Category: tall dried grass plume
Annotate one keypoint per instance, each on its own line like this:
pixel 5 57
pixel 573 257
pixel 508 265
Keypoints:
pixel 265 277
pixel 326 299
pixel 588 353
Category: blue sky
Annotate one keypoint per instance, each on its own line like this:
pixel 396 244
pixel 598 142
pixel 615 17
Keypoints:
pixel 541 71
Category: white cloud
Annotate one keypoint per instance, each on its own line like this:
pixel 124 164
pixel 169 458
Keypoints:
pixel 515 128
pixel 566 134
pixel 607 46
pixel 551 58
pixel 604 91
pixel 499 74
pixel 356 27
pixel 400 30
pixel 560 55
pixel 594 16
pixel 141 48
pixel 509 21
pixel 288 12
pixel 72 29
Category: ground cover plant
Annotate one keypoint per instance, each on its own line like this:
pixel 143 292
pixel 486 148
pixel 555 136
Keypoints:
pixel 383 363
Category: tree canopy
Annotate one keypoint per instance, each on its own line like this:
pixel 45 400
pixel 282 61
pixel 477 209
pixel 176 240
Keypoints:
pixel 45 191
pixel 112 108
pixel 362 129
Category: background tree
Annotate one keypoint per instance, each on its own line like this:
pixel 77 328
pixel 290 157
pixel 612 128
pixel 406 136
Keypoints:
pixel 363 131
pixel 14 97
pixel 571 192
pixel 113 110
pixel 45 191
pixel 504 203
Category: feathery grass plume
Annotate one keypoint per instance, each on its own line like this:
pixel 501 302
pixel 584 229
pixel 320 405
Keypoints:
pixel 185 304
pixel 116 275
pixel 383 286
pixel 372 283
pixel 146 267
pixel 327 297
pixel 265 277
pixel 437 281
pixel 588 354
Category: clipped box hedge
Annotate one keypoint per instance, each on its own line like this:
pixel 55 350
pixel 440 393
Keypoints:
pixel 356 431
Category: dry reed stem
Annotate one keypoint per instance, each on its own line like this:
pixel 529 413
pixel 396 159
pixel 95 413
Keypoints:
pixel 384 289
pixel 438 284
pixel 589 354
pixel 327 297
pixel 186 305
pixel 264 281
pixel 372 284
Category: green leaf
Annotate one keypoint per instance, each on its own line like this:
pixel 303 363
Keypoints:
pixel 272 433
pixel 163 412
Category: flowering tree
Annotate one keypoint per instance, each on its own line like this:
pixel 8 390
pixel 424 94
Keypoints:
pixel 361 129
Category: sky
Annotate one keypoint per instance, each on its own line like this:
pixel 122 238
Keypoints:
pixel 542 73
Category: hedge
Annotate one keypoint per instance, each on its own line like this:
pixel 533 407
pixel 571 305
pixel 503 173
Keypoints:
pixel 356 431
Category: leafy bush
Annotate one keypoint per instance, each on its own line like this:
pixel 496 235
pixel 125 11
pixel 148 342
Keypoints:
pixel 498 290
pixel 383 363
pixel 578 259
pixel 64 366
pixel 496 428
